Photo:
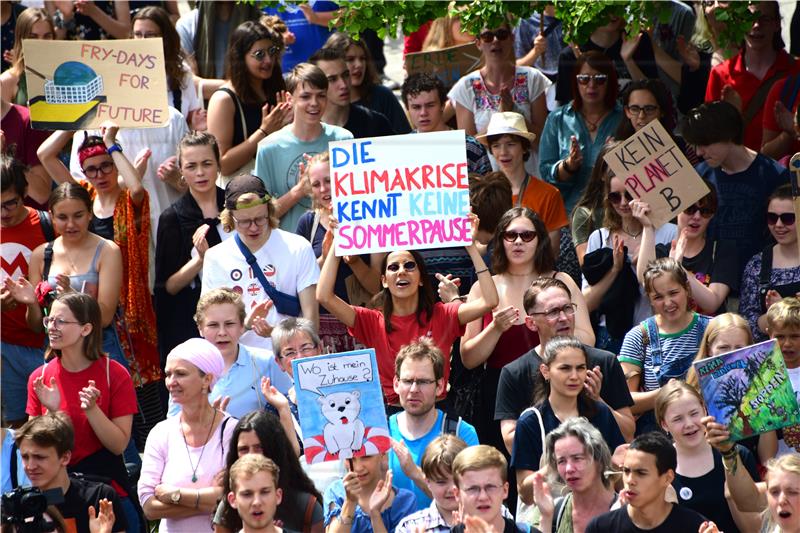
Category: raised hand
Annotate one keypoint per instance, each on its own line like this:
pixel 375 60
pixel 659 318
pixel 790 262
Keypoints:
pixel 221 403
pixel 641 211
pixel 593 383
pixel 383 490
pixel 448 287
pixel 730 95
pixel 677 251
pixel 275 398
pixel 274 117
pixel 89 395
pixel 108 129
pixel 629 46
pixel 688 53
pixel 575 158
pixel 257 320
pixel 717 435
pixel 199 240
pixel 784 118
pixel 21 290
pixel 618 254
pixel 168 171
pixel 503 319
pixel 50 397
pixel 542 496
pixel 104 521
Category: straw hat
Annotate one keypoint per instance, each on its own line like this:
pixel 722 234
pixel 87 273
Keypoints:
pixel 506 123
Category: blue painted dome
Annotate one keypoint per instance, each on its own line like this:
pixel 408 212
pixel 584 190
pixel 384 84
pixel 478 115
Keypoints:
pixel 73 73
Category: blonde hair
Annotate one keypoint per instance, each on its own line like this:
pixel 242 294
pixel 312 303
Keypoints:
pixel 226 216
pixel 671 392
pixel 220 296
pixel 479 457
pixel 251 464
pixel 785 313
pixel 440 34
pixel 716 326
pixel 322 157
pixel 23 29
pixel 440 453
pixel 790 464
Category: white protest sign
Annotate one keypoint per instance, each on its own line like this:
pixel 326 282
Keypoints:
pixel 315 373
pixel 655 170
pixel 400 192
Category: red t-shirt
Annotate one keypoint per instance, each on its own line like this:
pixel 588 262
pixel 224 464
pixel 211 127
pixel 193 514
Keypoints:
pixel 117 398
pixel 16 126
pixel 769 109
pixel 546 200
pixel 733 72
pixel 369 329
pixel 16 245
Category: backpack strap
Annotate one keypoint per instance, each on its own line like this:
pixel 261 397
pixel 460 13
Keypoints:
pixel 764 276
pixel 46 223
pixel 559 510
pixel 450 425
pixel 789 92
pixel 13 466
pixel 48 260
pixel 655 343
pixel 222 436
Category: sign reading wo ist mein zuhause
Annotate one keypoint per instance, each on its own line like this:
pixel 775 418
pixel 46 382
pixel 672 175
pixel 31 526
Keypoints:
pixel 400 192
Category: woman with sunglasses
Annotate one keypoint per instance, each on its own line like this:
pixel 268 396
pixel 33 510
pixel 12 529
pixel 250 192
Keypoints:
pixel 621 233
pixel 500 85
pixel 773 273
pixel 711 263
pixel 407 310
pixel 522 252
pixel 574 133
pixel 252 103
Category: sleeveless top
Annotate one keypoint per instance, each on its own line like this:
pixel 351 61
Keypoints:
pixel 104 227
pixel 514 342
pixel 252 117
pixel 87 282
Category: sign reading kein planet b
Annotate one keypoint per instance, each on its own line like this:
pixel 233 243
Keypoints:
pixel 400 192
pixel 76 85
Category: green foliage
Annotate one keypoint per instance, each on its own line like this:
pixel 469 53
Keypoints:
pixel 737 19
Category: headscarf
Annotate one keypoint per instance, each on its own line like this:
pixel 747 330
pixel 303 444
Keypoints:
pixel 202 354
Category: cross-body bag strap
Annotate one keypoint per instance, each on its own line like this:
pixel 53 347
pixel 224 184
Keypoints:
pixel 757 102
pixel 254 266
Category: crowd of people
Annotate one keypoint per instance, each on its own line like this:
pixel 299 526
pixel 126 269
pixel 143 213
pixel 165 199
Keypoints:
pixel 157 284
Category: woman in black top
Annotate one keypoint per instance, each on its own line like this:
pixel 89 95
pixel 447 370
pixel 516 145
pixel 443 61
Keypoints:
pixel 186 229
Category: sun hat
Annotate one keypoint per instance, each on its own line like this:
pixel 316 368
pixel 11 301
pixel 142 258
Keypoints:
pixel 506 123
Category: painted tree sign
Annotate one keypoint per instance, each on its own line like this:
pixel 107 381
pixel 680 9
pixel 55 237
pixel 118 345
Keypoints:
pixel 749 390
pixel 655 170
pixel 340 404
pixel 448 64
pixel 400 192
pixel 75 85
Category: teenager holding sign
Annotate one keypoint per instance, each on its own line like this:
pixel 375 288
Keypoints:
pixel 408 309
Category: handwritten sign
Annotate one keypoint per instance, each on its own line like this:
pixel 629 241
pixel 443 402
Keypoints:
pixel 655 170
pixel 400 192
pixel 340 406
pixel 448 64
pixel 76 85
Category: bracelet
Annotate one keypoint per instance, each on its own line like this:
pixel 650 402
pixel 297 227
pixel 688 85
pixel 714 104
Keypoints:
pixel 730 460
pixel 262 130
pixel 345 520
pixel 114 148
pixel 197 501
pixel 459 298
pixel 565 166
pixel 482 271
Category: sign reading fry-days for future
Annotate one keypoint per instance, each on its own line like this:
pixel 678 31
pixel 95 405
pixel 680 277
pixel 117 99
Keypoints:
pixel 76 85
pixel 655 171
pixel 400 192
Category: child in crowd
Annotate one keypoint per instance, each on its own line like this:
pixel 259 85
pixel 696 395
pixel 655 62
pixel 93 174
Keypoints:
pixel 783 325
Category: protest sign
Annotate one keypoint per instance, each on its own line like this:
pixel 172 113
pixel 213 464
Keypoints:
pixel 749 390
pixel 448 64
pixel 75 85
pixel 340 405
pixel 400 192
pixel 655 170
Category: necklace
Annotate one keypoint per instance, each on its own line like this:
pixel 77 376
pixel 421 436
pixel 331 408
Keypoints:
pixel 629 234
pixel 591 125
pixel 195 467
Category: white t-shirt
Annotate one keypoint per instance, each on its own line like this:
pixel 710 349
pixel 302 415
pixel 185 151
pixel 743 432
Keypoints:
pixel 470 91
pixel 783 447
pixel 189 99
pixel 601 238
pixel 287 260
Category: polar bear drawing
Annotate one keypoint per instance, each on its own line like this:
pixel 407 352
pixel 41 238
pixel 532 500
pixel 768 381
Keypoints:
pixel 344 432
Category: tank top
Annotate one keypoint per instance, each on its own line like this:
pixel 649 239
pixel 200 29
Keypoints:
pixel 514 342
pixel 252 117
pixel 88 282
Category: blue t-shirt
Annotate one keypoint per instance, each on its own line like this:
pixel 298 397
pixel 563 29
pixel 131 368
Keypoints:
pixel 5 460
pixel 277 164
pixel 309 37
pixel 742 205
pixel 464 431
pixel 403 505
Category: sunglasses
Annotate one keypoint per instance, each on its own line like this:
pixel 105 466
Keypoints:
pixel 261 53
pixel 616 197
pixel 705 212
pixel 408 266
pixel 512 236
pixel 788 219
pixel 488 36
pixel 599 79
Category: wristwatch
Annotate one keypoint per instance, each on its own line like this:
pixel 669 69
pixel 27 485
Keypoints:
pixel 176 497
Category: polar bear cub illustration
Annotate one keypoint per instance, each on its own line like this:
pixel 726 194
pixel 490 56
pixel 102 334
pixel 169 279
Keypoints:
pixel 344 432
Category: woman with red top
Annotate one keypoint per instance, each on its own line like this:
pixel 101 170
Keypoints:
pixel 96 392
pixel 408 309
pixel 762 61
pixel 521 253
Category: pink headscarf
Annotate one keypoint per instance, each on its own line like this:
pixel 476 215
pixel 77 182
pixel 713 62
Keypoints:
pixel 201 354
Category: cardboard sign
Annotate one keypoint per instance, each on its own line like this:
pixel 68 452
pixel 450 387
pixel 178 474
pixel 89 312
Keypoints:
pixel 448 64
pixel 75 85
pixel 340 406
pixel 655 170
pixel 749 390
pixel 402 192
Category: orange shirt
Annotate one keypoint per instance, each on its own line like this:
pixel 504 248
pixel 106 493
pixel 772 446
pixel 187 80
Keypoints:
pixel 546 200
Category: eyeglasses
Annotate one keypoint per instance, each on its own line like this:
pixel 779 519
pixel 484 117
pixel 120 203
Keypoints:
pixel 247 222
pixel 408 266
pixel 305 350
pixel 512 236
pixel 501 34
pixel 788 219
pixel 408 383
pixel 705 212
pixel 475 491
pixel 616 197
pixel 599 79
pixel 10 205
pixel 261 54
pixel 553 314
pixel 56 323
pixel 646 109
pixel 105 167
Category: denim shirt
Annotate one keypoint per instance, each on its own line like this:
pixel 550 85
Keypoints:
pixel 404 504
pixel 555 142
